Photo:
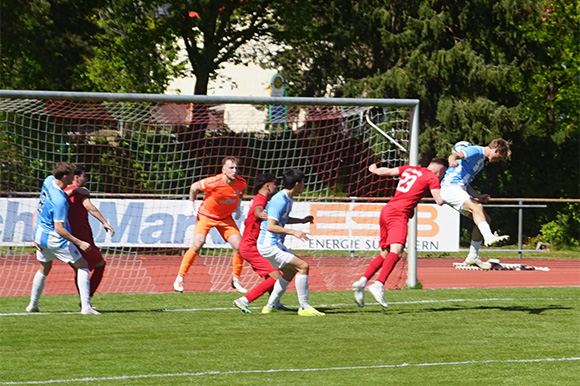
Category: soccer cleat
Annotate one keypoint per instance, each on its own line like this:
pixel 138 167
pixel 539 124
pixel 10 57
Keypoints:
pixel 178 285
pixel 267 310
pixel 359 293
pixel 376 289
pixel 243 305
pixel 476 261
pixel 239 287
pixel 495 238
pixel 32 308
pixel 281 307
pixel 310 311
pixel 89 311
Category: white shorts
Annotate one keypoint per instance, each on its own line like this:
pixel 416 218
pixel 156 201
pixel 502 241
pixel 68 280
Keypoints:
pixel 67 255
pixel 278 255
pixel 455 196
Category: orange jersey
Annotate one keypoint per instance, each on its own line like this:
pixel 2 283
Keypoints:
pixel 221 199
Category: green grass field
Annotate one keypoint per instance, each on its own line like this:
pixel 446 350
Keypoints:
pixel 511 336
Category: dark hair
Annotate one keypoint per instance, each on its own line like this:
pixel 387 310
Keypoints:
pixel 62 169
pixel 440 161
pixel 291 177
pixel 80 170
pixel 262 179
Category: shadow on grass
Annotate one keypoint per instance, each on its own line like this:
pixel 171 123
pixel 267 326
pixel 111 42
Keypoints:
pixel 530 310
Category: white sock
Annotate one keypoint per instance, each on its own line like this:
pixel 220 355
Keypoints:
pixel 37 287
pixel 302 290
pixel 83 281
pixel 474 248
pixel 179 278
pixel 485 229
pixel 363 280
pixel 277 292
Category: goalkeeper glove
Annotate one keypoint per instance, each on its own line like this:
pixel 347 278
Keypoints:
pixel 238 212
pixel 190 209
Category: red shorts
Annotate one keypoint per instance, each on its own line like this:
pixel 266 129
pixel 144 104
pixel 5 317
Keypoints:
pixel 93 256
pixel 259 263
pixel 393 229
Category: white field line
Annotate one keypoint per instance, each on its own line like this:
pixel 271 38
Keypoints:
pixel 204 373
pixel 335 305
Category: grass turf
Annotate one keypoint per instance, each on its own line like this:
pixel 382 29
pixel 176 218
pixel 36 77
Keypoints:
pixel 435 337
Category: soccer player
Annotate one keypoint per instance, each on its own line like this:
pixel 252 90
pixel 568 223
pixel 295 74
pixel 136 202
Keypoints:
pixel 414 182
pixel 78 217
pixel 53 240
pixel 223 195
pixel 271 244
pixel 266 185
pixel 457 192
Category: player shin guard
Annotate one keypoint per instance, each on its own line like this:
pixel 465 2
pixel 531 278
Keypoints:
pixel 37 287
pixel 237 265
pixel 374 266
pixel 259 290
pixel 474 248
pixel 302 290
pixel 277 292
pixel 96 278
pixel 390 262
pixel 83 282
pixel 187 261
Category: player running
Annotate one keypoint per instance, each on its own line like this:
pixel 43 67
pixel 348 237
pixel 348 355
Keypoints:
pixel 413 184
pixel 223 195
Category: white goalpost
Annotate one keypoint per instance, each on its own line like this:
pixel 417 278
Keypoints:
pixel 143 151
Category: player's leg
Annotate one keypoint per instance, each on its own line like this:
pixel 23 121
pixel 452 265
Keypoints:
pixel 97 276
pixel 230 232
pixel 202 227
pixel 278 259
pixel 38 281
pixel 71 255
pixel 482 221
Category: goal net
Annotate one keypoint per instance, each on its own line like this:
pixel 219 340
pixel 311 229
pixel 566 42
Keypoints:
pixel 143 152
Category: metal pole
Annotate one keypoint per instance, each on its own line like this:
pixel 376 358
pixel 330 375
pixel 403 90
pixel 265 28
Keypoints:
pixel 412 239
pixel 520 226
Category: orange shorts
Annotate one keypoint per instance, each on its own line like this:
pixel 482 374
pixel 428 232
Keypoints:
pixel 226 227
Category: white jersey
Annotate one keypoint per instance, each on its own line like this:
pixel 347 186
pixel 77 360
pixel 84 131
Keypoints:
pixel 52 207
pixel 467 168
pixel 278 209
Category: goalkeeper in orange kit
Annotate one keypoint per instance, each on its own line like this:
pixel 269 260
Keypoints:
pixel 223 196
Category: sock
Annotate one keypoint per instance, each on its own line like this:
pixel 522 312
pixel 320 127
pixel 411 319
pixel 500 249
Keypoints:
pixel 277 292
pixel 302 290
pixel 259 290
pixel 474 248
pixel 237 265
pixel 485 230
pixel 37 287
pixel 388 265
pixel 84 284
pixel 96 278
pixel 187 261
pixel 374 266
pixel 363 281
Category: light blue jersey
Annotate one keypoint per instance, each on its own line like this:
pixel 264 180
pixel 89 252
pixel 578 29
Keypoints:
pixel 467 168
pixel 53 206
pixel 278 209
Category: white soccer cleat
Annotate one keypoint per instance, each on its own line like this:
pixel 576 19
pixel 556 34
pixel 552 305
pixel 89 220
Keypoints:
pixel 239 287
pixel 476 261
pixel 32 308
pixel 243 304
pixel 376 289
pixel 495 238
pixel 178 284
pixel 90 310
pixel 359 293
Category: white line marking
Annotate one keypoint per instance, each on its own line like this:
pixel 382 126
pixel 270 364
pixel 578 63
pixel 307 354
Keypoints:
pixel 202 373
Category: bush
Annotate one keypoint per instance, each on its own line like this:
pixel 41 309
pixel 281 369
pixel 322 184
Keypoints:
pixel 565 229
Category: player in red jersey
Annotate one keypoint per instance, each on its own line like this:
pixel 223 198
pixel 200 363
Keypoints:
pixel 78 216
pixel 413 184
pixel 222 199
pixel 266 185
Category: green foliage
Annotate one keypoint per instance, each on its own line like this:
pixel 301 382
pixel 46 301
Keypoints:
pixel 564 231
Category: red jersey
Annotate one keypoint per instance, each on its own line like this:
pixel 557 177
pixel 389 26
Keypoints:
pixel 414 183
pixel 252 224
pixel 221 199
pixel 78 216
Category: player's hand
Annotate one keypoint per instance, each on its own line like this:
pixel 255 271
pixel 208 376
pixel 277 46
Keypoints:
pixel 373 168
pixel 484 197
pixel 190 209
pixel 84 246
pixel 109 228
pixel 301 235
pixel 238 213
pixel 308 219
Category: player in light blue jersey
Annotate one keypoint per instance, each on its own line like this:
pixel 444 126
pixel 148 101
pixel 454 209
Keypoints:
pixel 457 192
pixel 271 244
pixel 53 240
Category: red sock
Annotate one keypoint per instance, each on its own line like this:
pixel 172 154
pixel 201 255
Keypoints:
pixel 260 289
pixel 388 266
pixel 96 278
pixel 374 266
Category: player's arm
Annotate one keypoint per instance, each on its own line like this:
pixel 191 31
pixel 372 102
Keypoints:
pixel 273 227
pixel 238 211
pixel 294 220
pixel 474 193
pixel 436 193
pixel 454 157
pixel 65 234
pixel 94 211
pixel 260 212
pixel 190 209
pixel 384 172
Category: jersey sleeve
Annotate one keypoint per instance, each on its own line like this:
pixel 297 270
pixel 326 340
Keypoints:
pixel 275 208
pixel 60 209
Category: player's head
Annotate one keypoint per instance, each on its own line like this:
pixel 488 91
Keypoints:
pixel 268 182
pixel 230 167
pixel 500 150
pixel 438 166
pixel 293 178
pixel 64 169
pixel 80 178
